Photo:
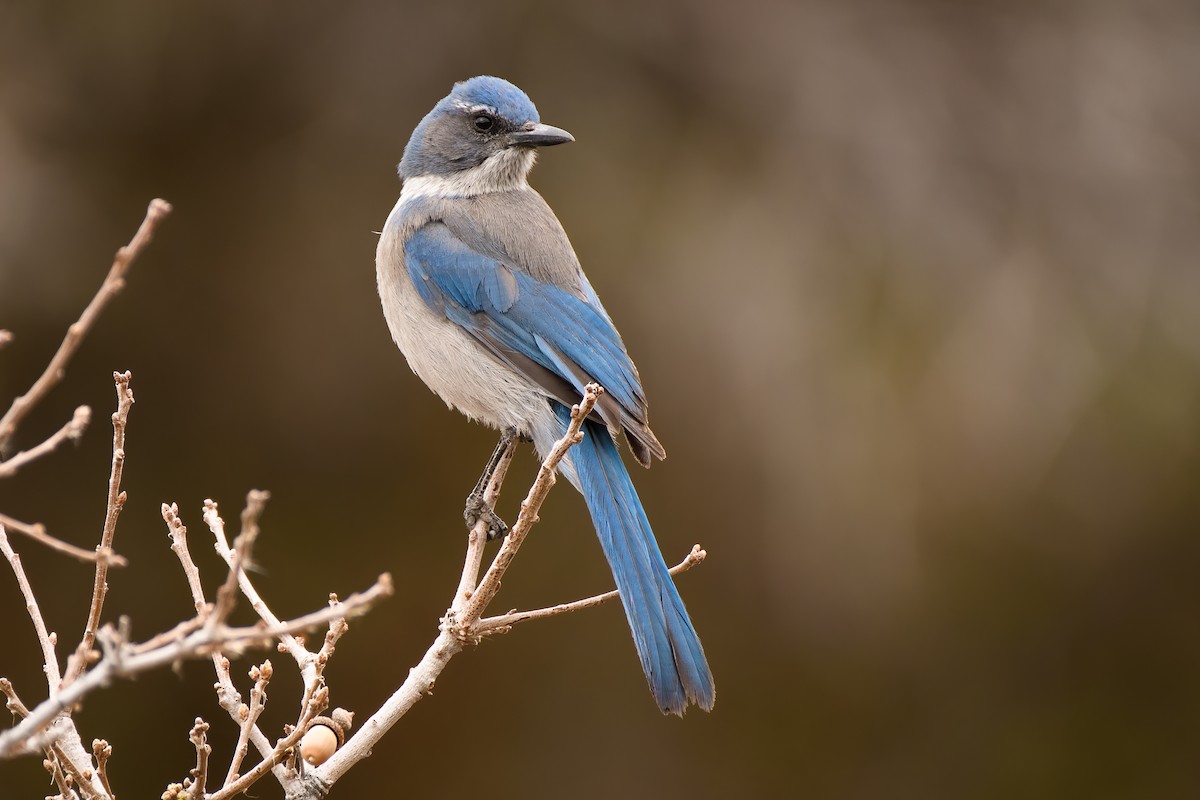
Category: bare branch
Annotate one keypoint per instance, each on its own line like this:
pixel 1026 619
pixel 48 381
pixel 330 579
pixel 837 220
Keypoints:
pixel 57 763
pixel 227 694
pixel 457 625
pixel 123 660
pixel 337 629
pixel 256 502
pixel 46 639
pixel 230 699
pixel 260 635
pixel 179 547
pixel 37 532
pixel 261 675
pixel 173 634
pixel 57 775
pixel 314 705
pixel 102 751
pixel 45 739
pixel 504 622
pixel 73 430
pixel 49 727
pixel 474 607
pixel 13 703
pixel 61 741
pixel 116 501
pixel 217 526
pixel 69 762
pixel 83 781
pixel 113 283
pixel 199 738
pixel 311 664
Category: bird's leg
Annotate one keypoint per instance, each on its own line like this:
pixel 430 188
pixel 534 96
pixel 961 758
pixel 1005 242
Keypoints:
pixel 476 507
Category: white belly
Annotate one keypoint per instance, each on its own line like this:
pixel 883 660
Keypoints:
pixel 450 361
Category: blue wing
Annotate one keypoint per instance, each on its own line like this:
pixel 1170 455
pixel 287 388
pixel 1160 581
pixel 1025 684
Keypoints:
pixel 556 338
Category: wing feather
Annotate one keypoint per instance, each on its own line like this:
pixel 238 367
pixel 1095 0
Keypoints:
pixel 556 338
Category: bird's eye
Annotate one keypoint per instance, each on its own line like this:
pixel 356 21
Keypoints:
pixel 483 123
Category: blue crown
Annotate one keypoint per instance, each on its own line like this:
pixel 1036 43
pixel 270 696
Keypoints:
pixel 508 100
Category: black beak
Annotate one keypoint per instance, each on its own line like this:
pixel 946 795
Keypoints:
pixel 539 135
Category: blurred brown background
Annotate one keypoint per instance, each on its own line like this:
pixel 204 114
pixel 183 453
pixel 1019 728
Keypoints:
pixel 914 290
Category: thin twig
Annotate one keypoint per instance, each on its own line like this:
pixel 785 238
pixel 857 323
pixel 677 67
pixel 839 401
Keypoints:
pixel 57 774
pixel 46 639
pixel 230 699
pixel 61 742
pixel 310 668
pixel 199 738
pixel 178 532
pixel 173 634
pixel 73 430
pixel 261 675
pixel 503 622
pixel 37 532
pixel 13 703
pixel 76 772
pixel 337 629
pixel 314 705
pixel 102 751
pixel 116 501
pixel 354 605
pixel 215 524
pixel 121 661
pixel 256 502
pixel 113 284
pixel 228 696
pixel 43 740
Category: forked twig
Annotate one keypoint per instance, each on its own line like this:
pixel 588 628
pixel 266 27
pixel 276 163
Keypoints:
pixel 474 607
pixel 46 639
pixel 503 622
pixel 457 626
pixel 113 283
pixel 37 532
pixel 124 660
pixel 73 430
pixel 199 738
pixel 261 675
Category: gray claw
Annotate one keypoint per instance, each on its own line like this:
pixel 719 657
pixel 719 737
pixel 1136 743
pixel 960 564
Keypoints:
pixel 476 509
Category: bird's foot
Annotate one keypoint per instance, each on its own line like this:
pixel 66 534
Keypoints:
pixel 477 509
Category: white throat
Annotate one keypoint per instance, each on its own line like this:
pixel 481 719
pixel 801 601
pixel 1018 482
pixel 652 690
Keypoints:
pixel 501 172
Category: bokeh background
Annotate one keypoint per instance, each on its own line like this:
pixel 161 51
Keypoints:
pixel 914 288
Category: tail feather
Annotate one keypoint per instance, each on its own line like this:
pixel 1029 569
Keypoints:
pixel 666 641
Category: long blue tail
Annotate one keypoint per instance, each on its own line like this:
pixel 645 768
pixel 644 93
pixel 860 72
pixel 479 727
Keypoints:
pixel 666 642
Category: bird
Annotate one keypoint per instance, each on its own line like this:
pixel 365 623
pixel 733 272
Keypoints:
pixel 485 297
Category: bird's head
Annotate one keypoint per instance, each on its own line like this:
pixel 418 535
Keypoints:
pixel 481 137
